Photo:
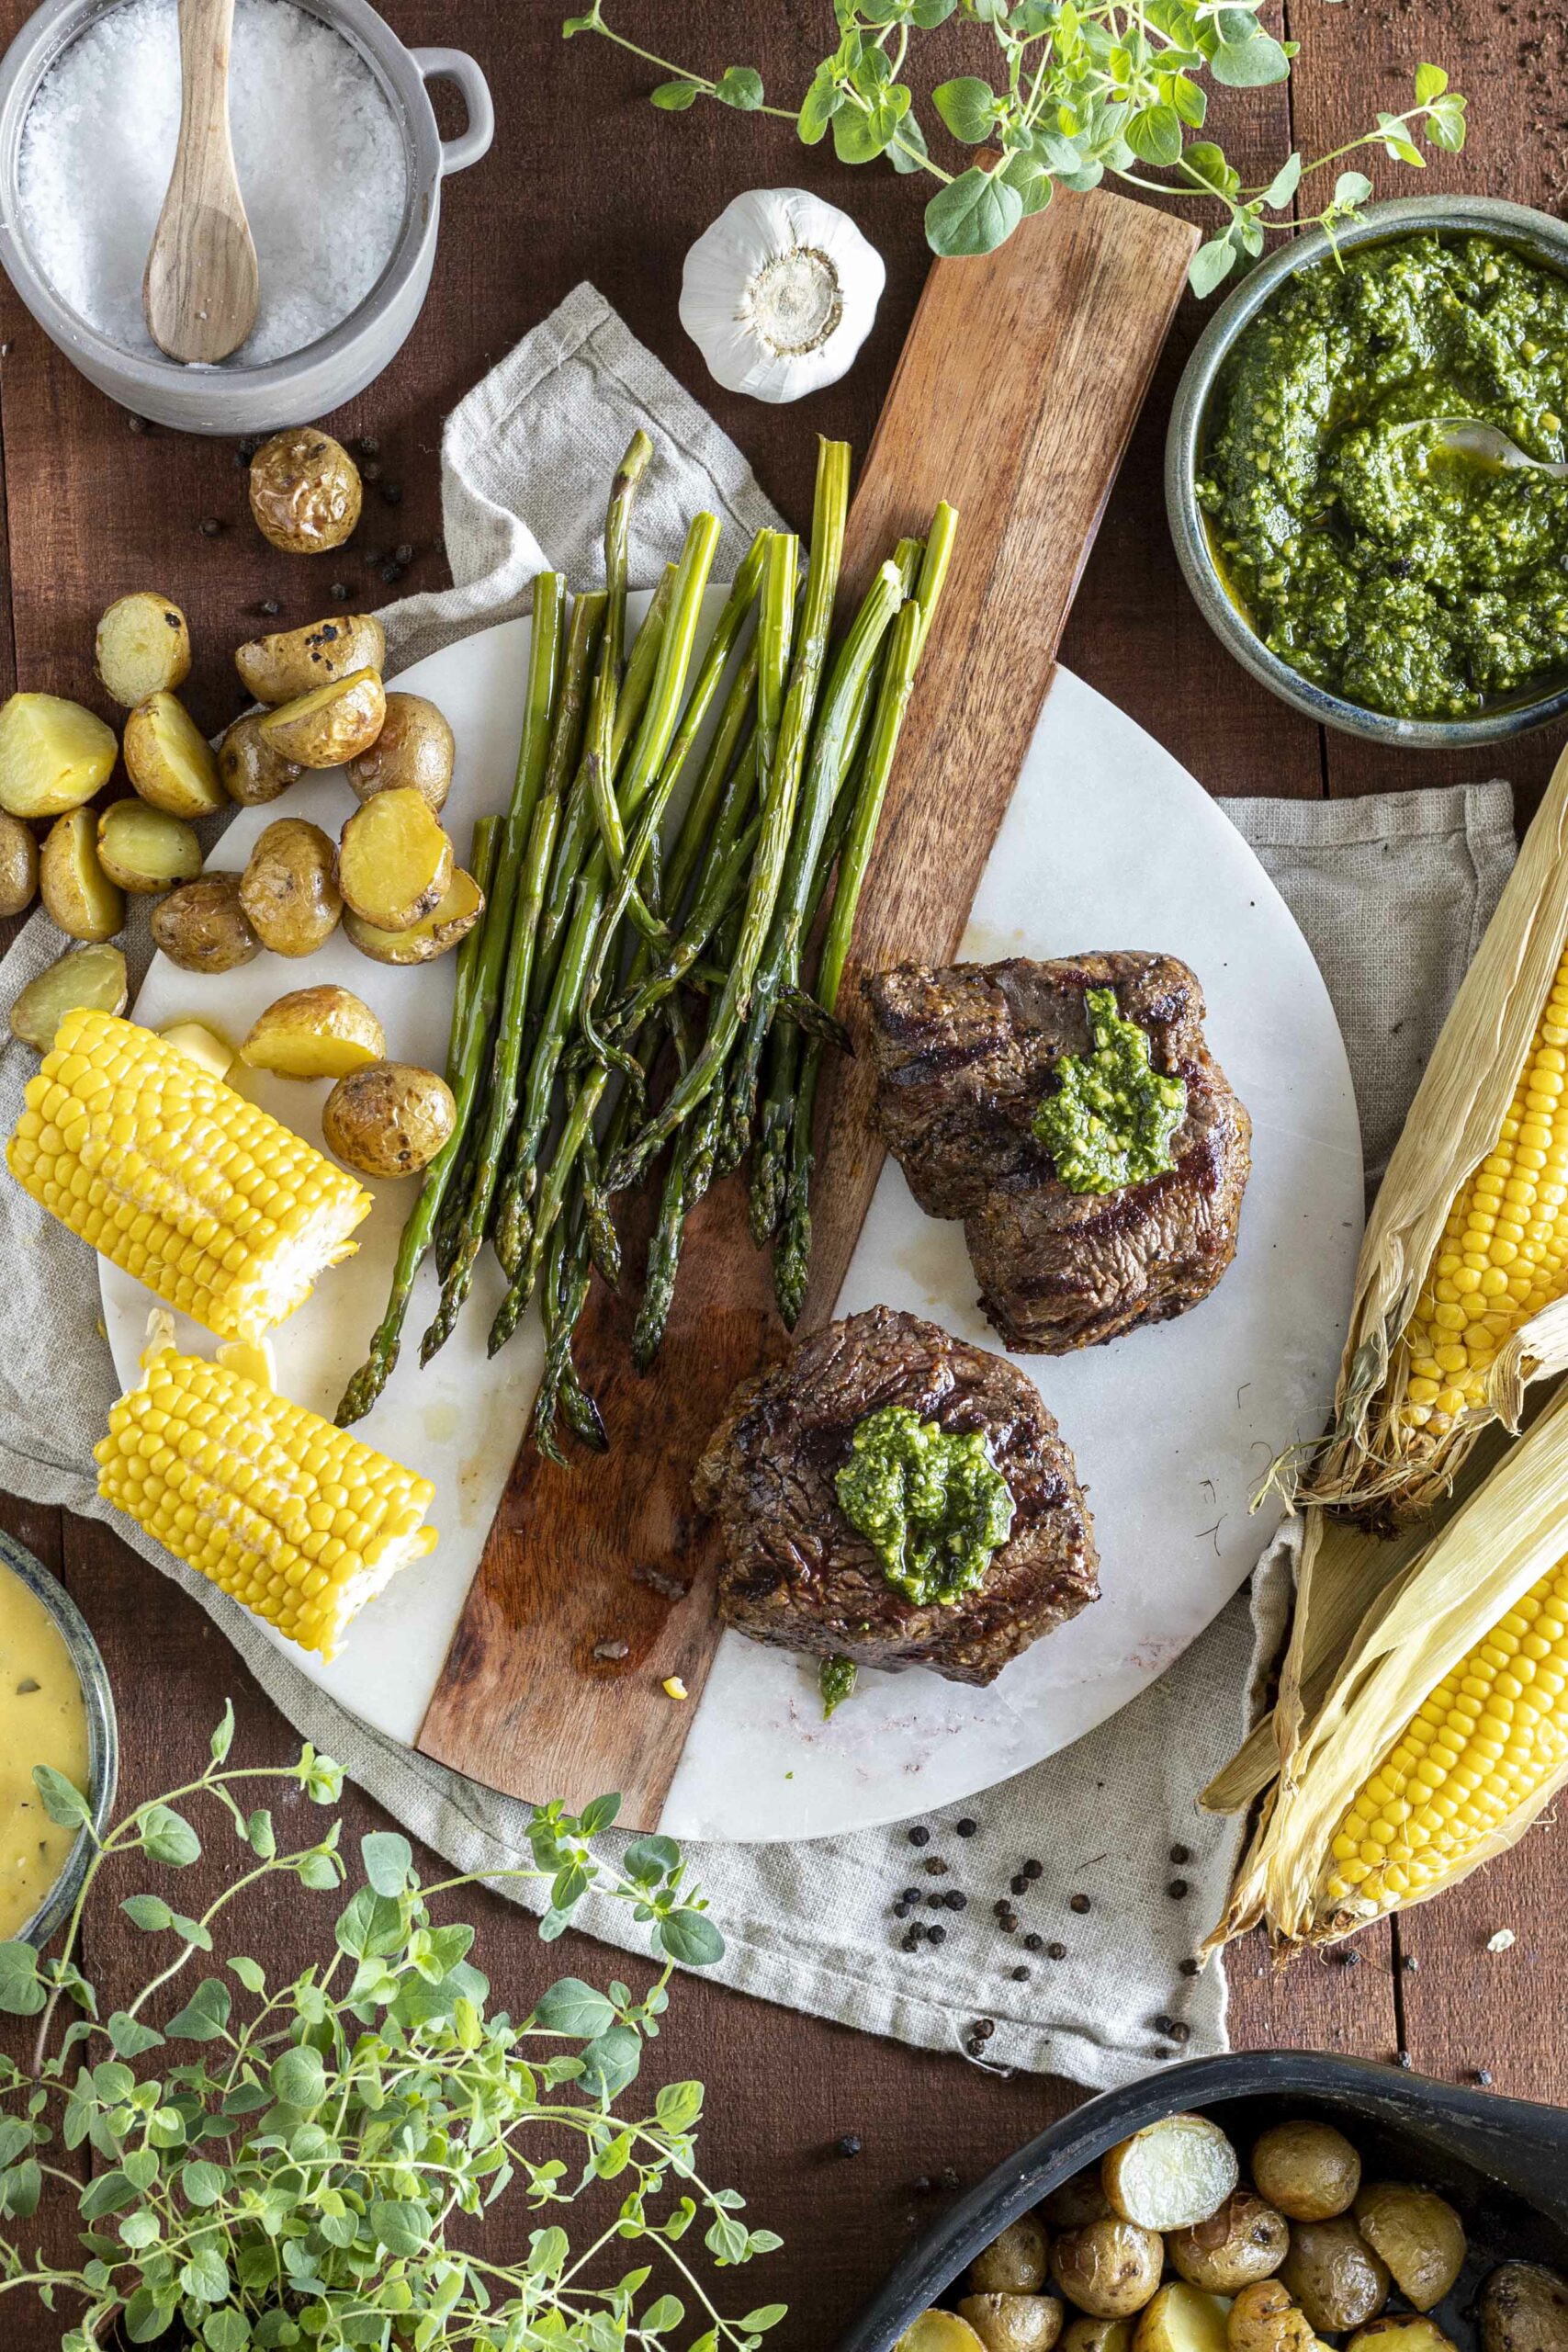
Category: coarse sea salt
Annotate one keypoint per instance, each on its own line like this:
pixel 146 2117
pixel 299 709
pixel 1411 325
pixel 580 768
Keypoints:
pixel 319 152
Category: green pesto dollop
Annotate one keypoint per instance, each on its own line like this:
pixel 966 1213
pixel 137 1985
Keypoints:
pixel 933 1505
pixel 836 1678
pixel 1112 1117
pixel 1404 577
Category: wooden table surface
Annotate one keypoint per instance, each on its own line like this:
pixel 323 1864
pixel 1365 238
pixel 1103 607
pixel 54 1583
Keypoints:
pixel 585 181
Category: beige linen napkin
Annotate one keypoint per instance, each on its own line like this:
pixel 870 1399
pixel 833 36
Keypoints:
pixel 1391 894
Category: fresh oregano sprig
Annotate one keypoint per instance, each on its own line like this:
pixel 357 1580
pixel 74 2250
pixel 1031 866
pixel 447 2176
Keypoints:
pixel 1082 88
pixel 292 2180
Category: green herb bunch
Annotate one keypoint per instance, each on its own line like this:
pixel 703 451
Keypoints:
pixel 289 2176
pixel 1083 87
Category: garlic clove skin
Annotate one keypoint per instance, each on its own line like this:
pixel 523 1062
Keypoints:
pixel 780 293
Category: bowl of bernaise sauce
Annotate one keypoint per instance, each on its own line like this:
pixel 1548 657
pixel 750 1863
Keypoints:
pixel 56 1708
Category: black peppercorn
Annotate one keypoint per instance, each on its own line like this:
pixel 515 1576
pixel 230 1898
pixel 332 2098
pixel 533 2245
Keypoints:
pixel 1179 1890
pixel 1018 1884
pixel 920 1835
pixel 948 2179
pixel 392 493
pixel 1020 1975
pixel 1033 1870
pixel 965 1828
pixel 923 2186
pixel 900 1910
pixel 1404 2060
pixel 850 2144
pixel 1484 2077
pixel 934 1867
pixel 1161 2024
pixel 137 425
pixel 1179 2032
pixel 936 1903
pixel 341 592
pixel 955 1899
pixel 1179 1854
pixel 1007 1921
pixel 371 472
pixel 270 606
pixel 910 1939
pixel 211 528
pixel 390 571
pixel 1055 1952
pixel 936 1935
pixel 1192 1967
pixel 1410 1963
pixel 975 2047
pixel 984 2028
pixel 368 446
pixel 372 558
pixel 1034 1943
pixel 1079 1903
pixel 245 450
pixel 403 553
pixel 911 1895
pixel 1349 1959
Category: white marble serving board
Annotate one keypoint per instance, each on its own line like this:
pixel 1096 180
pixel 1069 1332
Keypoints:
pixel 1107 843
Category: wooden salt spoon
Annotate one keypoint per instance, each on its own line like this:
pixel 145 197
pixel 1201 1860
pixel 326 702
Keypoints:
pixel 201 289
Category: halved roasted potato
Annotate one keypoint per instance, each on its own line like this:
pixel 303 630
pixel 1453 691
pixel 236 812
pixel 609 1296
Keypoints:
pixel 1013 2322
pixel 329 725
pixel 1307 2171
pixel 202 927
pixel 314 1033
pixel 1077 2201
pixel 83 980
pixel 202 1045
pixel 416 749
pixel 1014 2263
pixel 1086 2335
pixel 1109 2268
pixel 939 2331
pixel 143 646
pixel 1418 2233
pixel 394 861
pixel 77 894
pixel 145 849
pixel 1524 2308
pixel 1183 2318
pixel 1244 2241
pixel 19 865
pixel 168 758
pixel 53 755
pixel 294 662
pixel 1334 2274
pixel 1403 2332
pixel 289 888
pixel 249 769
pixel 1264 2319
pixel 462 904
pixel 305 491
pixel 389 1119
pixel 1171 2173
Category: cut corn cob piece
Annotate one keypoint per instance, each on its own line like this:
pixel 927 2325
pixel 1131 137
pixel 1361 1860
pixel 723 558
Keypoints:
pixel 178 1179
pixel 296 1520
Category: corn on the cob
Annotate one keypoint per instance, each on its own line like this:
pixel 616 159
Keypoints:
pixel 296 1520
pixel 178 1179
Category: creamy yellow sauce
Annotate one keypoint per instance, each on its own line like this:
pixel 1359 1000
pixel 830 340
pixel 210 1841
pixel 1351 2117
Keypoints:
pixel 42 1721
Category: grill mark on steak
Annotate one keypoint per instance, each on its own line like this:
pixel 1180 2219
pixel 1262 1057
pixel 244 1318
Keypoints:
pixel 964 1055
pixel 797 1574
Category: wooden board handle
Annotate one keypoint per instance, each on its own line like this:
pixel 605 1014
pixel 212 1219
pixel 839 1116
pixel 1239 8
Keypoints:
pixel 1014 399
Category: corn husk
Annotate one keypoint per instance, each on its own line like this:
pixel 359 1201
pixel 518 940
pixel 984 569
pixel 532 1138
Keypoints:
pixel 1432 1602
pixel 1372 1462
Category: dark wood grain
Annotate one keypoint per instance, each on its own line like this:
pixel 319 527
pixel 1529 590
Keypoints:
pixel 585 181
pixel 1010 403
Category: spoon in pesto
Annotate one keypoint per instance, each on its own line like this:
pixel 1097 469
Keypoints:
pixel 1466 436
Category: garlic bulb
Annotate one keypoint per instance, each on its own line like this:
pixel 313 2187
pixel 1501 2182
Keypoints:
pixel 780 293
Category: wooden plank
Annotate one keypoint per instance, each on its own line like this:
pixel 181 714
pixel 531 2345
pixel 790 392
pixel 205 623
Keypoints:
pixel 1011 401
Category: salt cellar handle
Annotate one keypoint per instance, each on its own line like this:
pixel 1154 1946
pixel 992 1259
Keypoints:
pixel 457 65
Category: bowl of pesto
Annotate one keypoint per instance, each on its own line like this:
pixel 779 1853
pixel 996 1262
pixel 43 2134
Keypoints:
pixel 1344 550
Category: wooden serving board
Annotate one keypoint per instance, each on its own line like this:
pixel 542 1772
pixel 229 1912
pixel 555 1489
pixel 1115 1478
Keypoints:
pixel 1014 398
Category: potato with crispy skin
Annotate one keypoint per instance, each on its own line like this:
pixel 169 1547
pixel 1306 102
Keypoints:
pixel 1306 2170
pixel 1334 2274
pixel 1015 2261
pixel 53 755
pixel 294 662
pixel 288 890
pixel 462 904
pixel 1524 2308
pixel 1109 2268
pixel 330 724
pixel 19 865
pixel 145 849
pixel 83 980
pixel 389 1119
pixel 249 771
pixel 1086 2335
pixel 314 1033
pixel 142 648
pixel 394 862
pixel 1245 2241
pixel 1264 2319
pixel 415 748
pixel 1014 2323
pixel 1076 2201
pixel 77 893
pixel 305 491
pixel 1418 2233
pixel 202 927
pixel 168 758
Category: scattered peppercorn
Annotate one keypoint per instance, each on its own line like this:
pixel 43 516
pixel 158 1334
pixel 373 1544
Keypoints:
pixel 910 1940
pixel 934 1867
pixel 936 1935
pixel 368 447
pixel 900 1910
pixel 403 553
pixel 1020 1975
pixel 1079 1903
pixel 965 1828
pixel 1018 1884
pixel 211 528
pixel 1404 2059
pixel 1006 1919
pixel 849 2145
pixel 137 425
pixel 975 2047
pixel 1161 2024
pixel 1349 1959
pixel 911 1895
pixel 390 571
pixel 983 2028
pixel 1055 1952
pixel 923 2185
pixel 371 472
pixel 371 557
pixel 1179 1890
pixel 936 1902
pixel 1180 2032
pixel 1034 1943
pixel 392 493
pixel 1484 2077
pixel 341 592
pixel 270 606
pixel 1192 1966
pixel 1179 1854
pixel 948 2179
pixel 245 450
pixel 1410 1963
pixel 955 1899
pixel 1033 1870
pixel 920 1835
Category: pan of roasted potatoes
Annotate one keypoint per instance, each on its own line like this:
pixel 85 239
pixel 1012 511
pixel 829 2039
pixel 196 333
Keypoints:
pixel 1271 2202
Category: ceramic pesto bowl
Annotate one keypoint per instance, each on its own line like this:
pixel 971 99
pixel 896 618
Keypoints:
pixel 103 1737
pixel 1535 234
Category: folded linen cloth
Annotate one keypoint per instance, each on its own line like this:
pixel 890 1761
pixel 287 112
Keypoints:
pixel 1393 894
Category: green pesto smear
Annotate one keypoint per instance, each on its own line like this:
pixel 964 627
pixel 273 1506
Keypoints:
pixel 932 1506
pixel 836 1678
pixel 1403 577
pixel 1112 1117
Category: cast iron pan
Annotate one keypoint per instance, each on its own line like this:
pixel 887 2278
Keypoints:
pixel 1503 2162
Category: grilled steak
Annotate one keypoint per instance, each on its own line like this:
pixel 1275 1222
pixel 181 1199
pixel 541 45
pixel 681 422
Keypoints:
pixel 965 1057
pixel 798 1575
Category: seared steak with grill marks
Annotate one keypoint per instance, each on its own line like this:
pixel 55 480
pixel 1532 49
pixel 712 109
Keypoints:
pixel 798 1575
pixel 965 1057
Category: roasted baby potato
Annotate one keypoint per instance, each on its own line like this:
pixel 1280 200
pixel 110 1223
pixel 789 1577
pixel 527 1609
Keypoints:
pixel 389 1119
pixel 1307 2171
pixel 1264 2319
pixel 394 862
pixel 142 648
pixel 1086 2335
pixel 202 927
pixel 168 760
pixel 145 849
pixel 1109 2268
pixel 414 749
pixel 1077 2201
pixel 19 865
pixel 53 755
pixel 1013 2322
pixel 305 491
pixel 1246 2240
pixel 84 980
pixel 314 1033
pixel 1171 2173
pixel 288 890
pixel 1182 2319
pixel 249 769
pixel 1334 2274
pixel 1523 2306
pixel 462 904
pixel 294 662
pixel 329 725
pixel 77 894
pixel 938 2331
pixel 202 1045
pixel 1014 2263
pixel 1404 2333
pixel 1418 2233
